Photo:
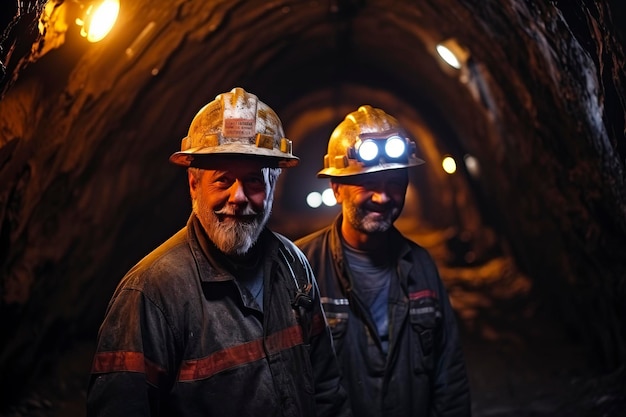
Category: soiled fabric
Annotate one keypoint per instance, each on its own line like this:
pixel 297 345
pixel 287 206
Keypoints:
pixel 182 338
pixel 423 373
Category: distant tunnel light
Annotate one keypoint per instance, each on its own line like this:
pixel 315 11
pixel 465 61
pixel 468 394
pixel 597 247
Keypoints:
pixel 314 199
pixel 328 197
pixel 449 164
pixel 98 20
pixel 453 53
pixel 472 165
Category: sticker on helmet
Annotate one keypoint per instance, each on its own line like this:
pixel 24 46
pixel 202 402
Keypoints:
pixel 238 128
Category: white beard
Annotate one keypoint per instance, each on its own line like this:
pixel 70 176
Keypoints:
pixel 232 237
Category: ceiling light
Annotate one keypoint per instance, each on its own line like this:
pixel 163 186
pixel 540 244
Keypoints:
pixel 453 53
pixel 449 164
pixel 98 19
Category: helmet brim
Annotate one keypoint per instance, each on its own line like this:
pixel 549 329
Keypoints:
pixel 358 169
pixel 206 157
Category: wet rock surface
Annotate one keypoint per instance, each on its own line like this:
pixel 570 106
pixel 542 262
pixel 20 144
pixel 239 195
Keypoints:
pixel 86 190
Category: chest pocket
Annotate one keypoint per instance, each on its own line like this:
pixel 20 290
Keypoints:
pixel 337 312
pixel 425 319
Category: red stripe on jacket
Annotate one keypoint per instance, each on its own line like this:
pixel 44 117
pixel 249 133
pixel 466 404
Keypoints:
pixel 190 370
pixel 422 294
pixel 238 355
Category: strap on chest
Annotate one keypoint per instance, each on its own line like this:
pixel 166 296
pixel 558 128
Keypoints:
pixel 302 301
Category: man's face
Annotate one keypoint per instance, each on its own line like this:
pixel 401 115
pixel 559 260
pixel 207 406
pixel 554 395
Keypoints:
pixel 233 203
pixel 372 202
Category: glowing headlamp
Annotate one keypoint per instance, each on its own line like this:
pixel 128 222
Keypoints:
pixel 373 150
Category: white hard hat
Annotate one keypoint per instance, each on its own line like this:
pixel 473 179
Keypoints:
pixel 236 123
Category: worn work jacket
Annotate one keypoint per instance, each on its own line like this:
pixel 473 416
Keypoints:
pixel 423 373
pixel 182 338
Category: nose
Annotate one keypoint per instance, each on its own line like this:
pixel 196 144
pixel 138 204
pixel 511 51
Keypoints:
pixel 380 196
pixel 237 193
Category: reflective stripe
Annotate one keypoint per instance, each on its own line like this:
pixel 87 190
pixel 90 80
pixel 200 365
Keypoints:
pixel 335 301
pixel 336 315
pixel 424 310
pixel 422 294
pixel 123 361
pixel 238 355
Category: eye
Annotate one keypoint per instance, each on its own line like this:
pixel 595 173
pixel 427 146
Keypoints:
pixel 256 179
pixel 368 185
pixel 397 185
pixel 255 183
pixel 223 181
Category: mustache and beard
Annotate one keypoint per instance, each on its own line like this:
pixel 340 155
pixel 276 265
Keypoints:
pixel 232 236
pixel 371 217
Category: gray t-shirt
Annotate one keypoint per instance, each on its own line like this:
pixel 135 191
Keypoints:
pixel 372 276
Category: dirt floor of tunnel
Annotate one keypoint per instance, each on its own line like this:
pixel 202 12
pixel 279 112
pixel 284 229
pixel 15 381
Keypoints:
pixel 545 374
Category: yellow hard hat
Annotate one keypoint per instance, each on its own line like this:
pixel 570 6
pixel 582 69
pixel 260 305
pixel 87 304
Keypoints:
pixel 236 123
pixel 368 140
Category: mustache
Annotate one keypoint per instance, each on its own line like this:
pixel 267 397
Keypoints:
pixel 370 206
pixel 231 211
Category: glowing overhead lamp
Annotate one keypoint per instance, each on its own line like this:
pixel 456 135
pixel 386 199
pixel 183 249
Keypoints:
pixel 98 19
pixel 448 164
pixel 453 53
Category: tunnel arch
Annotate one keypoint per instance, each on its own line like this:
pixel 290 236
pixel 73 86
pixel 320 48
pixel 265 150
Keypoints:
pixel 86 130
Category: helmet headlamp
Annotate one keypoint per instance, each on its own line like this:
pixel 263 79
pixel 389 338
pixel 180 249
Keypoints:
pixel 367 150
pixel 368 140
pixel 373 150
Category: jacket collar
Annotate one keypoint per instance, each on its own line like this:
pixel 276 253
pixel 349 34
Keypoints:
pixel 398 242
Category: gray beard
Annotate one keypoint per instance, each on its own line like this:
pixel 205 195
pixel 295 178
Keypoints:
pixel 232 238
pixel 362 220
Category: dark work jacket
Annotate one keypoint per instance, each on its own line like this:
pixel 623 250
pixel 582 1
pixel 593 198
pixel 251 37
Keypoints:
pixel 182 338
pixel 423 373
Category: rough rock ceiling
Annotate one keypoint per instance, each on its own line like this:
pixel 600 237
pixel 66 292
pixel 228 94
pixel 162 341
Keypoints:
pixel 86 129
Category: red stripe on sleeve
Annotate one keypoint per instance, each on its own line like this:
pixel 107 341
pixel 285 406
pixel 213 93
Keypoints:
pixel 118 361
pixel 123 361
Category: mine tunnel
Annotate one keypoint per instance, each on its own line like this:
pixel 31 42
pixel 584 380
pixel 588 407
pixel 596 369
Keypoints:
pixel 529 231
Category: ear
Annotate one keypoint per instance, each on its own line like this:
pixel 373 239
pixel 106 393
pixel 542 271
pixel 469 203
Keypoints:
pixel 336 191
pixel 193 184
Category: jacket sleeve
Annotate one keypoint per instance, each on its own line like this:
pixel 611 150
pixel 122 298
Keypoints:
pixel 451 396
pixel 330 397
pixel 131 364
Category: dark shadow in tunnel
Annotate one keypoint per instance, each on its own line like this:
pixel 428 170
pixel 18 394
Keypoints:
pixel 523 359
